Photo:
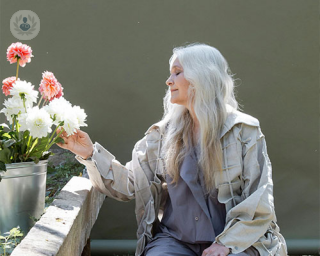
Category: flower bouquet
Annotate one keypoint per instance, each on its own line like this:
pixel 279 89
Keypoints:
pixel 33 124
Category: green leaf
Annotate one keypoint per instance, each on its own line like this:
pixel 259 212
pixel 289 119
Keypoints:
pixel 2 237
pixel 26 134
pixel 42 144
pixel 6 135
pixel 50 170
pixel 15 232
pixel 46 155
pixel 9 143
pixel 35 159
pixel 3 166
pixel 59 140
pixel 5 155
pixel 13 133
pixel 3 125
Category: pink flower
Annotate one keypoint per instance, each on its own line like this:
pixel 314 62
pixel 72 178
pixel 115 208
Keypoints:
pixel 21 51
pixel 60 93
pixel 7 85
pixel 50 88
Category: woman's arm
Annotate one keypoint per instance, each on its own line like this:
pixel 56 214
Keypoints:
pixel 252 217
pixel 105 172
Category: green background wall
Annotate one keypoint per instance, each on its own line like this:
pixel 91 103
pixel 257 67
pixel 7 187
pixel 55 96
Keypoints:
pixel 112 59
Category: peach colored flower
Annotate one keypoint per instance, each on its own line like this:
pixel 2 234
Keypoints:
pixel 59 94
pixel 50 88
pixel 21 51
pixel 7 85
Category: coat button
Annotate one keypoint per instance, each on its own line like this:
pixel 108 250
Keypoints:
pixel 196 218
pixel 99 151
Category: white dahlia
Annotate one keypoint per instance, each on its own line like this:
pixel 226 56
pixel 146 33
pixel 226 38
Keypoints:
pixel 71 123
pixel 24 89
pixel 38 122
pixel 13 106
pixel 57 109
pixel 80 115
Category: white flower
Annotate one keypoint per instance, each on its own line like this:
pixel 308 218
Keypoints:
pixel 13 106
pixel 22 121
pixel 81 115
pixel 24 89
pixel 38 122
pixel 71 123
pixel 57 109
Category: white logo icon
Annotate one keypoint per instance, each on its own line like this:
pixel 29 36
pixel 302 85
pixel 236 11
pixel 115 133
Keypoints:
pixel 25 25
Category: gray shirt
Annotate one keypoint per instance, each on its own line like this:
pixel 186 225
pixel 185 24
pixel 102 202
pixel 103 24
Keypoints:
pixel 190 214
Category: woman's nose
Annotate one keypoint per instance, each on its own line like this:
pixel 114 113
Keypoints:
pixel 169 81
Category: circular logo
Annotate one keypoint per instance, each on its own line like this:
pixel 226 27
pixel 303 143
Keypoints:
pixel 25 25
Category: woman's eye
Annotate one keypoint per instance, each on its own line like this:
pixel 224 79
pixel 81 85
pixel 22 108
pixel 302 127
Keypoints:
pixel 178 73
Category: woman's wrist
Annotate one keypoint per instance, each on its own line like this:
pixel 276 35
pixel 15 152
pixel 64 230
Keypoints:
pixel 229 250
pixel 90 153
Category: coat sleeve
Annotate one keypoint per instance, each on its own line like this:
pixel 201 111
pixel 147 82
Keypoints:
pixel 247 221
pixel 108 175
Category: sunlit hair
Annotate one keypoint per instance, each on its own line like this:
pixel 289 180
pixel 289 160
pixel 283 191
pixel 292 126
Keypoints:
pixel 211 89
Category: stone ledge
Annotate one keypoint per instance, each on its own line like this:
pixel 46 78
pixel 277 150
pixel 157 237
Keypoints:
pixel 65 227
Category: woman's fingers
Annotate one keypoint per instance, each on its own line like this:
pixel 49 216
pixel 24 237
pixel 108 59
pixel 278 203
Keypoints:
pixel 63 134
pixel 62 145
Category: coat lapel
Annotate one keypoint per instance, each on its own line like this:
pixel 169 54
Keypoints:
pixel 189 173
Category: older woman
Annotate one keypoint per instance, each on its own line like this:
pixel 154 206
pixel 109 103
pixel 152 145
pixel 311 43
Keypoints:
pixel 201 177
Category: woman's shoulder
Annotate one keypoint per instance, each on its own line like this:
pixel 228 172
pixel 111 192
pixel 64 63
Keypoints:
pixel 159 127
pixel 151 137
pixel 236 117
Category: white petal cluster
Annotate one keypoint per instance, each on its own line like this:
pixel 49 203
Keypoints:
pixel 57 109
pixel 38 122
pixel 20 88
pixel 80 115
pixel 22 121
pixel 13 106
pixel 73 117
pixel 71 123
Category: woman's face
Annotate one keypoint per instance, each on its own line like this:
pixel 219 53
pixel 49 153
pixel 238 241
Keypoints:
pixel 178 85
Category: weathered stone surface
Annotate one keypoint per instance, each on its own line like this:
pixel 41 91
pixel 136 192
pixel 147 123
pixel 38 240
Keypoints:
pixel 61 156
pixel 65 227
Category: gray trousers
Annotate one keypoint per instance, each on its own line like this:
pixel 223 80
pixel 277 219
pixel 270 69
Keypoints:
pixel 163 244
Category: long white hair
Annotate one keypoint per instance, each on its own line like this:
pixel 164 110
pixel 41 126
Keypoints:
pixel 211 89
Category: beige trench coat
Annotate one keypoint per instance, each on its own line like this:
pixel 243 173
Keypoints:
pixel 245 185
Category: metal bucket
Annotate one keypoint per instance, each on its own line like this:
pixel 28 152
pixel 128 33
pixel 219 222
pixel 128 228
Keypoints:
pixel 22 195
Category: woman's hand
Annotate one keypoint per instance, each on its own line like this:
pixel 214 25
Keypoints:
pixel 79 143
pixel 216 250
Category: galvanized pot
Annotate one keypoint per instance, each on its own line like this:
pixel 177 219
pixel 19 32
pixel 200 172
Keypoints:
pixel 22 195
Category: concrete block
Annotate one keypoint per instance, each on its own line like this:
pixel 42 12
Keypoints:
pixel 65 227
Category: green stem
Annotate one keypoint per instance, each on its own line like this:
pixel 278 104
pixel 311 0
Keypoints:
pixel 23 144
pixel 33 145
pixel 17 68
pixel 48 143
pixel 28 144
pixel 40 100
pixel 24 103
pixel 45 101
pixel 13 120
pixel 17 126
pixel 53 141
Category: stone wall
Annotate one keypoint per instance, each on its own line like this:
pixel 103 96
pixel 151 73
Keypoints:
pixel 65 227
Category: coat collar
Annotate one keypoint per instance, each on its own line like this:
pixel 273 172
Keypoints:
pixel 159 125
pixel 234 117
